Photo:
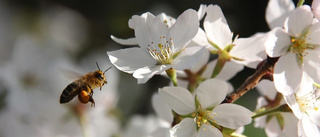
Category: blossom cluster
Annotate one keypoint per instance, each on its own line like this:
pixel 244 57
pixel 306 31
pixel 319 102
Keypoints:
pixel 199 102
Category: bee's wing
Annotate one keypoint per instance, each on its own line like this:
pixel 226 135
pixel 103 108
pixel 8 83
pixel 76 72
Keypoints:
pixel 70 75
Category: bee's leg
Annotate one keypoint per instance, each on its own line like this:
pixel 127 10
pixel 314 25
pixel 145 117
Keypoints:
pixel 104 82
pixel 92 101
pixel 90 98
pixel 91 93
pixel 90 90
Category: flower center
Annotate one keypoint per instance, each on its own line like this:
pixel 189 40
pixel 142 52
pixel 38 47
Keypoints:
pixel 299 45
pixel 204 116
pixel 163 52
pixel 309 101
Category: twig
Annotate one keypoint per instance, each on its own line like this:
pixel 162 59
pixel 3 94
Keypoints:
pixel 253 80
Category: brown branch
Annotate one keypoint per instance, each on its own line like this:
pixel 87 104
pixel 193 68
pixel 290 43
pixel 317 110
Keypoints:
pixel 253 80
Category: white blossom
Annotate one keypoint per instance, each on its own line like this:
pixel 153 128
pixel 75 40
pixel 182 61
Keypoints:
pixel 208 113
pixel 305 105
pixel 161 48
pixel 297 46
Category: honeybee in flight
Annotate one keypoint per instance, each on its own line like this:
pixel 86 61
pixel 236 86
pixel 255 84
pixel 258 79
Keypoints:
pixel 83 87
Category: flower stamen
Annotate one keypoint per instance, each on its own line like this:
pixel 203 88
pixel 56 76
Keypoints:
pixel 299 45
pixel 203 117
pixel 163 53
pixel 309 101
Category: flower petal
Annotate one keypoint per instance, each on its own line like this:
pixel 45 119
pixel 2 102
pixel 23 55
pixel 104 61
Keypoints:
pixel 251 50
pixel 144 74
pixel 161 132
pixel 299 19
pixel 211 92
pixel 316 8
pixel 201 62
pixel 293 104
pixel 200 40
pixel 189 57
pixel 287 74
pixel 229 70
pixel 129 41
pixel 314 116
pixel 161 108
pixel 201 11
pixel 186 128
pixel 225 115
pixel 148 29
pixel 260 122
pixel 187 24
pixel 290 124
pixel 216 27
pixel 208 131
pixel 314 34
pixel 277 11
pixel 179 99
pixel 168 20
pixel 312 64
pixel 306 86
pixel 130 59
pixel 277 42
pixel 273 128
pixel 266 88
pixel 307 128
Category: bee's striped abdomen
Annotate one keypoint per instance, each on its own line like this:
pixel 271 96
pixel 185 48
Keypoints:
pixel 69 92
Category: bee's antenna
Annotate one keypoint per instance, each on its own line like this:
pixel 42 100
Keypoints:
pixel 107 70
pixel 98 65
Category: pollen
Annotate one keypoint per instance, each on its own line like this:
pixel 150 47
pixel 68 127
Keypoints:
pixel 299 46
pixel 309 101
pixel 163 51
pixel 203 117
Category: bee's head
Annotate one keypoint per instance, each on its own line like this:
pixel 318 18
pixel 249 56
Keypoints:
pixel 101 75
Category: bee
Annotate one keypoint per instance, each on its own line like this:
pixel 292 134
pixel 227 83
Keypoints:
pixel 83 87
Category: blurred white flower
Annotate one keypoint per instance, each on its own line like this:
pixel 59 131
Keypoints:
pixel 161 48
pixel 196 73
pixel 203 112
pixel 64 27
pixel 142 126
pixel 164 112
pixel 34 83
pixel 281 124
pixel 305 105
pixel 316 8
pixel 32 107
pixel 162 109
pixel 297 44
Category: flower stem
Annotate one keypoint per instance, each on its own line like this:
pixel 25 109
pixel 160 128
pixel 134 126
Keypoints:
pixel 282 108
pixel 173 76
pixel 217 69
pixel 316 85
pixel 223 58
pixel 300 3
